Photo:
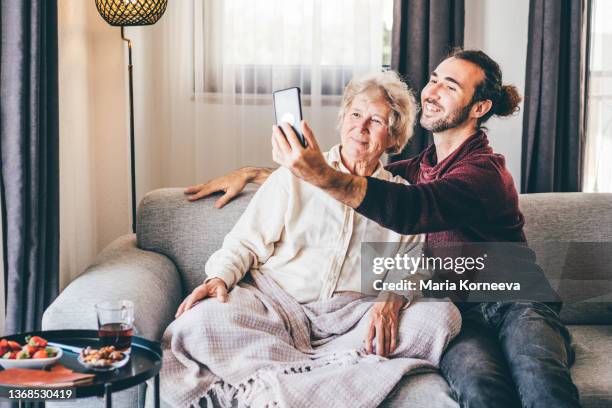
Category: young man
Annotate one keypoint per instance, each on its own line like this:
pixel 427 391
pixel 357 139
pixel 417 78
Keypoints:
pixel 509 353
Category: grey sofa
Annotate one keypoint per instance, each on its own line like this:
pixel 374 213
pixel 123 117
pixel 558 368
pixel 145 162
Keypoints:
pixel 164 261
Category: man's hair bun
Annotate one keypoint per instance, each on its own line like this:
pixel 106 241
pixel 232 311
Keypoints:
pixel 508 101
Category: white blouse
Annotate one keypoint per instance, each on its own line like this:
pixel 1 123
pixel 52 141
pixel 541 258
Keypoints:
pixel 304 239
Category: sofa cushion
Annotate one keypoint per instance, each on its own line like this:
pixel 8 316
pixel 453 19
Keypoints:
pixel 421 390
pixel 571 234
pixel 186 232
pixel 591 370
pixel 581 217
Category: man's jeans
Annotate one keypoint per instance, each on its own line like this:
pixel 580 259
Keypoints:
pixel 505 347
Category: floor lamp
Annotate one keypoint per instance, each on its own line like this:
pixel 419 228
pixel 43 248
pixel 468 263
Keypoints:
pixel 122 13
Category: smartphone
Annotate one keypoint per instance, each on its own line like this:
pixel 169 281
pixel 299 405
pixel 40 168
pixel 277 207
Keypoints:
pixel 288 108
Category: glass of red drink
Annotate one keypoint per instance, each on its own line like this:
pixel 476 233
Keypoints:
pixel 116 323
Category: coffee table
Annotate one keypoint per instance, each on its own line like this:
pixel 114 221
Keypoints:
pixel 145 363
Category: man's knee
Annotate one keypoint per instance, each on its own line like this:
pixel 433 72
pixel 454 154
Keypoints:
pixel 528 310
pixel 526 322
pixel 476 369
pixel 477 378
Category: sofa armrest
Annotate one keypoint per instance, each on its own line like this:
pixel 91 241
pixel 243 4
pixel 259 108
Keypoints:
pixel 121 271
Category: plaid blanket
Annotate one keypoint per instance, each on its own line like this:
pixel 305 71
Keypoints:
pixel 262 348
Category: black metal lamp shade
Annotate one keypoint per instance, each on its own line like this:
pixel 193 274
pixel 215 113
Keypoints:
pixel 131 12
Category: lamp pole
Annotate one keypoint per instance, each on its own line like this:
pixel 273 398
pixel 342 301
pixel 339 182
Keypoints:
pixel 121 13
pixel 132 142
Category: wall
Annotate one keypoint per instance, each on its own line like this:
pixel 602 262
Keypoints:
pixel 500 28
pixel 94 173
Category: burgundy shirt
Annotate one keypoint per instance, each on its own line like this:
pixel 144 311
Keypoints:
pixel 467 197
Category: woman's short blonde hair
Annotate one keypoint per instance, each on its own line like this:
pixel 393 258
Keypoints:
pixel 398 97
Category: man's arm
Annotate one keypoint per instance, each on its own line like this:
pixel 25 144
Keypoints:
pixel 231 184
pixel 464 195
pixel 346 188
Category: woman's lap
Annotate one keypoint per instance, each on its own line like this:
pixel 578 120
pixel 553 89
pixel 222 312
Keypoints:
pixel 213 323
pixel 433 323
pixel 249 334
pixel 425 328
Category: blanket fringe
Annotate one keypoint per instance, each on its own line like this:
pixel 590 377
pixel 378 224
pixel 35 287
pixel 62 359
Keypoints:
pixel 257 391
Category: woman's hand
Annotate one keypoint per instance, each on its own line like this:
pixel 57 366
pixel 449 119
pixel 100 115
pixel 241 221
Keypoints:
pixel 384 324
pixel 212 288
pixel 306 163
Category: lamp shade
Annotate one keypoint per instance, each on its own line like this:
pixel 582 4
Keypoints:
pixel 131 12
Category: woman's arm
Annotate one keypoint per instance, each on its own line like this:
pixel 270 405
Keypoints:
pixel 251 241
pixel 231 184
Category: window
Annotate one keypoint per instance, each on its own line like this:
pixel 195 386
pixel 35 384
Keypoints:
pixel 254 47
pixel 598 149
pixel 387 30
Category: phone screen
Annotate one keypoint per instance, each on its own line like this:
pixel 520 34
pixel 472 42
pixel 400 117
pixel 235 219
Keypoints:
pixel 288 108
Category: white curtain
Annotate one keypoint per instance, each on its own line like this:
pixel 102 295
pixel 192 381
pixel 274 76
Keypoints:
pixel 597 163
pixel 94 143
pixel 244 46
pixel 204 75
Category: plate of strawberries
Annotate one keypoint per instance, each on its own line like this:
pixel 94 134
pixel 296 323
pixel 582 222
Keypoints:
pixel 34 353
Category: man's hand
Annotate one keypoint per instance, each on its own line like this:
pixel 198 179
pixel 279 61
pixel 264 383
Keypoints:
pixel 306 163
pixel 213 288
pixel 231 184
pixel 384 324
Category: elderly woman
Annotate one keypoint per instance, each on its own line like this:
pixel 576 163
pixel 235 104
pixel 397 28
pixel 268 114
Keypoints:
pixel 291 314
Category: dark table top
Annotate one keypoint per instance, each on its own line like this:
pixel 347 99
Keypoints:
pixel 145 361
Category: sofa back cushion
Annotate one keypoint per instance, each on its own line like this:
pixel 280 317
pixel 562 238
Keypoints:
pixel 556 224
pixel 571 234
pixel 186 232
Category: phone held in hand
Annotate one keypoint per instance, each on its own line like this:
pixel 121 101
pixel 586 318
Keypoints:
pixel 288 108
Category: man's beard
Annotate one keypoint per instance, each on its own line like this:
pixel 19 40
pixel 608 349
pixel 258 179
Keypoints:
pixel 456 118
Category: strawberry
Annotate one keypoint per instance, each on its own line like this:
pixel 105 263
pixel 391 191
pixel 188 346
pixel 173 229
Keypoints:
pixel 41 354
pixel 10 355
pixel 14 346
pixel 30 349
pixel 23 355
pixel 4 350
pixel 37 341
pixel 4 343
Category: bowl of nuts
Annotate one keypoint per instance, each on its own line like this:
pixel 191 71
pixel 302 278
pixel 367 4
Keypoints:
pixel 103 359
